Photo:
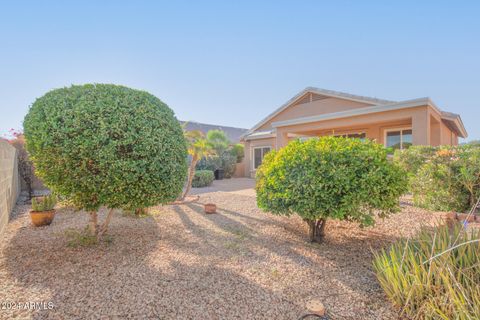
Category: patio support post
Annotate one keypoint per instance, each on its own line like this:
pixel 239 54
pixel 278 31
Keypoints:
pixel 421 128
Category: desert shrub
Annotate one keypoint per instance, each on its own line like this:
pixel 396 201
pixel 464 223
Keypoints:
pixel 106 145
pixel 210 163
pixel 413 158
pixel 238 150
pixel 202 178
pixel 226 161
pixel 330 178
pixel 442 178
pixel 445 287
pixel 229 164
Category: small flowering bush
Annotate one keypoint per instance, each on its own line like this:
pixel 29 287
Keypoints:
pixel 442 178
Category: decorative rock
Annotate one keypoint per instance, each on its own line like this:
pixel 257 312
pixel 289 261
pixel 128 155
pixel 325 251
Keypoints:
pixel 316 307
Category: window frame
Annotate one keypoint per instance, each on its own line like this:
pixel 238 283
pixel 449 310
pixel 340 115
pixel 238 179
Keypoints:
pixel 386 131
pixel 263 155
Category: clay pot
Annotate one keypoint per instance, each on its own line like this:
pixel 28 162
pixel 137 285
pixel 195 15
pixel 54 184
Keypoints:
pixel 42 218
pixel 210 208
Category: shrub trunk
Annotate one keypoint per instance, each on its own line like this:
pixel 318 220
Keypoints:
pixel 316 229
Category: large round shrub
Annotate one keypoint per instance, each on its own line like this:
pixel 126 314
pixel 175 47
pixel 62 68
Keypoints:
pixel 330 178
pixel 107 145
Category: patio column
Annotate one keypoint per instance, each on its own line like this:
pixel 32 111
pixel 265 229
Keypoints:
pixel 421 128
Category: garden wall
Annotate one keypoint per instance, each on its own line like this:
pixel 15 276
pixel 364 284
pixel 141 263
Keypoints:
pixel 9 182
pixel 239 170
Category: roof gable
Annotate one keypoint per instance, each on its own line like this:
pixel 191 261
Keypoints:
pixel 310 94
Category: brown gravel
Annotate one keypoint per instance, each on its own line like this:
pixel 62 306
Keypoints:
pixel 179 263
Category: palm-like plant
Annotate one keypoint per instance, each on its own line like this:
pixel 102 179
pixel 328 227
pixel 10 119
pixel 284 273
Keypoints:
pixel 198 147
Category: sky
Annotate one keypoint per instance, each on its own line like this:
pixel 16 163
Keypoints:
pixel 234 62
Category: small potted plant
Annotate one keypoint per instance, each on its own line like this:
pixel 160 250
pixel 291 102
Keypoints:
pixel 43 211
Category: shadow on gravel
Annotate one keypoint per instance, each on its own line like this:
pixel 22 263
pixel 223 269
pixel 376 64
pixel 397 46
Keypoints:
pixel 347 251
pixel 146 272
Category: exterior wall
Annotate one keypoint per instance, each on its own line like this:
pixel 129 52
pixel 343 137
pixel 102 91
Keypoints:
pixel 314 108
pixel 239 170
pixel 248 160
pixel 9 182
pixel 448 137
pixel 373 124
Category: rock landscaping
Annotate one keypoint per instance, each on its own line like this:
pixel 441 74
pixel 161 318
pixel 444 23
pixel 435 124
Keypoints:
pixel 180 263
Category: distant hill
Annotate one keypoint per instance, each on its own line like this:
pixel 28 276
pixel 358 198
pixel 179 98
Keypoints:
pixel 232 133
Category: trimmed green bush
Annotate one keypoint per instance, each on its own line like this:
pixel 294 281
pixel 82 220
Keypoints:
pixel 107 145
pixel 202 178
pixel 442 178
pixel 330 178
pixel 446 287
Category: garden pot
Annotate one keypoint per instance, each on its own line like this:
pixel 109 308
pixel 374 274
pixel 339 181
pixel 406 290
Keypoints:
pixel 210 208
pixel 42 218
pixel 219 174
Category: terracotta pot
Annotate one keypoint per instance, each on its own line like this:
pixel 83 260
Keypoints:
pixel 210 208
pixel 42 218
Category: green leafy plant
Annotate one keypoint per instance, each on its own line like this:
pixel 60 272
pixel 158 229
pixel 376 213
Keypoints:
pixel 442 178
pixel 106 145
pixel 238 150
pixel 330 178
pixel 436 275
pixel 198 147
pixel 229 164
pixel 218 140
pixel 46 203
pixel 202 178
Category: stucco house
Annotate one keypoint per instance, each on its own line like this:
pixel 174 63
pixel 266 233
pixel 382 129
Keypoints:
pixel 318 112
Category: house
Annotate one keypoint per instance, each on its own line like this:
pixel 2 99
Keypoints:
pixel 317 112
pixel 233 134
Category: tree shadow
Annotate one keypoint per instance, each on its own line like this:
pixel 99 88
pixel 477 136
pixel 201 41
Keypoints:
pixel 148 271
pixel 347 256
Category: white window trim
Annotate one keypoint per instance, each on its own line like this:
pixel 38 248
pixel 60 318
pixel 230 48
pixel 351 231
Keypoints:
pixel 401 135
pixel 252 156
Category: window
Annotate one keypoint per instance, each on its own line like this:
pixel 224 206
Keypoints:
pixel 398 139
pixel 258 154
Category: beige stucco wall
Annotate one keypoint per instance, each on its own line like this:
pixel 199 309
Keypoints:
pixel 9 182
pixel 426 123
pixel 314 108
pixel 374 125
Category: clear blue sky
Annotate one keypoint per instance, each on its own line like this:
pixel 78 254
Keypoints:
pixel 234 62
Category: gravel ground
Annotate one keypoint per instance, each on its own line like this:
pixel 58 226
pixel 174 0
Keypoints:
pixel 179 263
